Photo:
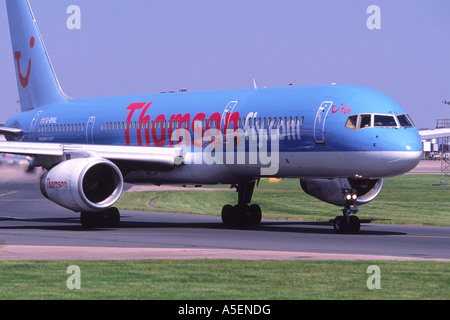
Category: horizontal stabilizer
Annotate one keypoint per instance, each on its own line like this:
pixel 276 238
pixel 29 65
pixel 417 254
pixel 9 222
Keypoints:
pixel 11 132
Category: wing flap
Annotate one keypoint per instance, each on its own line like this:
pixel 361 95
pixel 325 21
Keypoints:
pixel 159 155
pixel 32 149
pixel 156 155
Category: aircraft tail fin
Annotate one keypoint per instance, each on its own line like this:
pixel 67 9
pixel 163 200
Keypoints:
pixel 36 79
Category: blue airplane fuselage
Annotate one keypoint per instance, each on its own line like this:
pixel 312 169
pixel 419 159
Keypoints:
pixel 314 138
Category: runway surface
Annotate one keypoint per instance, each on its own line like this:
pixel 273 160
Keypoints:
pixel 32 227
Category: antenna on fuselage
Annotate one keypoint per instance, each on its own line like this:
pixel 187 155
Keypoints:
pixel 254 84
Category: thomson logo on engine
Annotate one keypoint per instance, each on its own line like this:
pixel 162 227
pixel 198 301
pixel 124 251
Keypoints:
pixel 55 184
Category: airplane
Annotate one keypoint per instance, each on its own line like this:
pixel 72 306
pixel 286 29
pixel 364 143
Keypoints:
pixel 339 140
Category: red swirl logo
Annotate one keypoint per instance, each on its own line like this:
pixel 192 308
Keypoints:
pixel 17 56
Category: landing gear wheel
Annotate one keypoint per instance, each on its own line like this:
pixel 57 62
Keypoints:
pixel 112 217
pixel 253 216
pixel 353 225
pixel 241 215
pixel 228 215
pixel 87 220
pixel 108 218
pixel 340 225
pixel 349 225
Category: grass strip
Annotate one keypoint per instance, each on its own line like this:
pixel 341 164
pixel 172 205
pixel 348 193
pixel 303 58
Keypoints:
pixel 224 279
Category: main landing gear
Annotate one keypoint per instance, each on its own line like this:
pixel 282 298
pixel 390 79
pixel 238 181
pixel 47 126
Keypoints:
pixel 109 218
pixel 242 214
pixel 348 222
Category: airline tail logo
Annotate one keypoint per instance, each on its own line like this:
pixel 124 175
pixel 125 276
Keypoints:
pixel 17 56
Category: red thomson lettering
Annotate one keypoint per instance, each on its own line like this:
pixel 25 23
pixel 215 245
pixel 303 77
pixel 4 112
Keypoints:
pixel 159 120
pixel 197 129
pixel 215 118
pixel 57 184
pixel 179 120
pixel 176 124
pixel 141 123
pixel 132 107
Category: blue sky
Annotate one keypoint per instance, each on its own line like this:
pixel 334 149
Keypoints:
pixel 144 46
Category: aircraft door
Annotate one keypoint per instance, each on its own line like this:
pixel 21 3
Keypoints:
pixel 90 130
pixel 319 122
pixel 33 124
pixel 228 110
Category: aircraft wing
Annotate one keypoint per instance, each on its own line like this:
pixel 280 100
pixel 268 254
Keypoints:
pixel 154 155
pixel 434 133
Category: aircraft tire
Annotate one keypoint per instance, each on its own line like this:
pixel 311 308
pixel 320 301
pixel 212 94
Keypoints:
pixel 253 218
pixel 108 218
pixel 354 225
pixel 89 220
pixel 241 215
pixel 112 217
pixel 340 225
pixel 228 215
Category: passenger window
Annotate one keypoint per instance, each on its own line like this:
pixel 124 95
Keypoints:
pixel 385 121
pixel 365 121
pixel 404 120
pixel 351 122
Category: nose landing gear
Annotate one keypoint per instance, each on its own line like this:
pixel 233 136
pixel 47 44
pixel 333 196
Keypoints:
pixel 348 223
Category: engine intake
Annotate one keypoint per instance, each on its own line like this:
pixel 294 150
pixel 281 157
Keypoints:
pixel 331 190
pixel 83 185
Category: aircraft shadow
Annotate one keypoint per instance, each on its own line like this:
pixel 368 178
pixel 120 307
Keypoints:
pixel 73 224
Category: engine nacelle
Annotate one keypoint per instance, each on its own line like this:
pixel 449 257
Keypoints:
pixel 84 184
pixel 332 190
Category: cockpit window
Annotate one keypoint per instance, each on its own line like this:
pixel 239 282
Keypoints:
pixel 362 121
pixel 365 121
pixel 351 122
pixel 384 121
pixel 404 120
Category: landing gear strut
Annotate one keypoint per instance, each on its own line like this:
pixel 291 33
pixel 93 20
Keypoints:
pixel 242 214
pixel 347 223
pixel 108 218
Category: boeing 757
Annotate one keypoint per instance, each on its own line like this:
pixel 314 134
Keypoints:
pixel 340 141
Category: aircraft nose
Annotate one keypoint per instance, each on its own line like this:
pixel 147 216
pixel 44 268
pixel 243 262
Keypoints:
pixel 402 151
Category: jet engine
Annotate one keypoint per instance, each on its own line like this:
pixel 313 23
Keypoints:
pixel 83 184
pixel 335 191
